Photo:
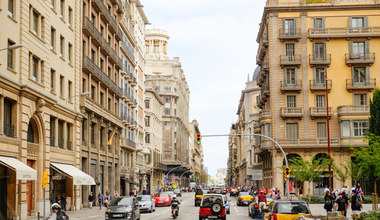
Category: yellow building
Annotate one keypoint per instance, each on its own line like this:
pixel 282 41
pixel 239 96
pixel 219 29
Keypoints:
pixel 300 42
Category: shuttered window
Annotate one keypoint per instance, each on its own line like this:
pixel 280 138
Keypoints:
pixel 321 130
pixel 292 131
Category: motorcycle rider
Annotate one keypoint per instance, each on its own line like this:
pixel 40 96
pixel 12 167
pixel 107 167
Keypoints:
pixel 175 204
pixel 61 214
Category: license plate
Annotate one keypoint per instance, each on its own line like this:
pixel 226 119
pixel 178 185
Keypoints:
pixel 212 216
pixel 117 215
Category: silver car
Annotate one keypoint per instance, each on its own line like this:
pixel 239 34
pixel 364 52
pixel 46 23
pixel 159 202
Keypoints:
pixel 146 203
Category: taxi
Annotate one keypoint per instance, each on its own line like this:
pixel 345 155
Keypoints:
pixel 286 210
pixel 199 195
pixel 234 192
pixel 244 198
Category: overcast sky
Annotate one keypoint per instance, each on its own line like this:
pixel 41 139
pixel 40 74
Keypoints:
pixel 216 43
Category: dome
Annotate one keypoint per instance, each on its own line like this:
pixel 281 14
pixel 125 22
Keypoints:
pixel 256 73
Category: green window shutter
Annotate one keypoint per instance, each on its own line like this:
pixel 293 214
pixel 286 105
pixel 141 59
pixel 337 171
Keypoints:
pixel 323 22
pixel 350 47
pixel 314 50
pixel 295 25
pixel 324 50
pixel 365 21
pixel 366 52
pixel 367 75
pixel 349 21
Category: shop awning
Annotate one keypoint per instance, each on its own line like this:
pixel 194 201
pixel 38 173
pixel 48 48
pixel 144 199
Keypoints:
pixel 23 171
pixel 79 177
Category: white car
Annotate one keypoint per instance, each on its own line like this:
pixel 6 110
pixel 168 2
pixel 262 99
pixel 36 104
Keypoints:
pixel 146 203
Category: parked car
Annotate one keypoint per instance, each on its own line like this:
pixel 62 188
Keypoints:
pixel 147 203
pixel 254 211
pixel 123 208
pixel 226 204
pixel 234 192
pixel 212 206
pixel 244 198
pixel 285 209
pixel 198 196
pixel 162 199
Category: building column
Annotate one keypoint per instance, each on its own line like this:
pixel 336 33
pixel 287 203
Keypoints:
pixel 1 115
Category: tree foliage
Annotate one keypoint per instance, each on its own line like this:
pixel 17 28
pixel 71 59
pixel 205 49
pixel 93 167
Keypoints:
pixel 349 169
pixel 374 120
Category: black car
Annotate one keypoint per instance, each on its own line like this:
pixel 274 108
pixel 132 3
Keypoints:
pixel 123 208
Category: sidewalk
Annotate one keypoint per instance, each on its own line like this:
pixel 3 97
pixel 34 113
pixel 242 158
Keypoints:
pixel 93 213
pixel 317 209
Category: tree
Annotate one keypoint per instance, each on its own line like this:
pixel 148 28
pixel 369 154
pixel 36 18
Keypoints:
pixel 356 172
pixel 203 177
pixel 350 169
pixel 374 119
pixel 307 171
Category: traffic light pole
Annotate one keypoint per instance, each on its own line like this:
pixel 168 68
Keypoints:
pixel 269 138
pixel 44 204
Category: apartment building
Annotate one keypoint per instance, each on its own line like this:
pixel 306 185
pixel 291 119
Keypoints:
pixel 166 77
pixel 154 106
pixel 311 51
pixel 39 105
pixel 196 153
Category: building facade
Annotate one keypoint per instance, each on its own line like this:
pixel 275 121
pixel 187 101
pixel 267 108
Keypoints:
pixel 301 43
pixel 196 153
pixel 39 105
pixel 166 77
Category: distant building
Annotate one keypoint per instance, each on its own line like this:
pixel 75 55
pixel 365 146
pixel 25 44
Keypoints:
pixel 196 152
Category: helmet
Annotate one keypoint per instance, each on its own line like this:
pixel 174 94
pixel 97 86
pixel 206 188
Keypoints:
pixel 55 206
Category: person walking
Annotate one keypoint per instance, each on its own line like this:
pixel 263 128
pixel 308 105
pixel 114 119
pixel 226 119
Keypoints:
pixel 356 205
pixel 100 199
pixel 91 199
pixel 341 205
pixel 347 201
pixel 59 212
pixel 328 202
pixel 63 201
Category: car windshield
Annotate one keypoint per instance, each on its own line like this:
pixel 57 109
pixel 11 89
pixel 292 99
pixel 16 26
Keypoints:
pixel 244 194
pixel 122 201
pixel 208 200
pixel 218 190
pixel 292 208
pixel 143 198
pixel 163 195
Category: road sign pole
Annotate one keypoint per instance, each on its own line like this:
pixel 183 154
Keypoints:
pixel 44 204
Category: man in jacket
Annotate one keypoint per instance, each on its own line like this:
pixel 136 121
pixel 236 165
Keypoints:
pixel 61 214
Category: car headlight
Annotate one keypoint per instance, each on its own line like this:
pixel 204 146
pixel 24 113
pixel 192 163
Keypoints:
pixel 129 215
pixel 167 199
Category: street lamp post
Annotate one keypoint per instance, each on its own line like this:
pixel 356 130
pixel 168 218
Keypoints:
pixel 180 178
pixel 167 174
pixel 328 127
pixel 12 47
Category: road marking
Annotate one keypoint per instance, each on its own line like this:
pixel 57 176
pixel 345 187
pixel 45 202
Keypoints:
pixel 236 209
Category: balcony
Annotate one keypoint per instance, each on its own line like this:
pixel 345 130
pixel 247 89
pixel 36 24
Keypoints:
pixel 9 130
pixel 119 5
pixel 320 112
pixel 326 33
pixel 308 143
pixel 289 34
pixel 292 86
pixel 128 143
pixel 265 92
pixel 265 114
pixel 291 112
pixel 353 110
pixel 320 85
pixel 360 58
pixel 262 76
pixel 290 60
pixel 265 144
pixel 319 60
pixel 262 48
pixel 106 14
pixel 90 29
pixel 367 84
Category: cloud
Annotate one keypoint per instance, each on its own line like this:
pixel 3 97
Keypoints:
pixel 216 43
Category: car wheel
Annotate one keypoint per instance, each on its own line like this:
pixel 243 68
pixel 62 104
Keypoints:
pixel 224 218
pixel 200 218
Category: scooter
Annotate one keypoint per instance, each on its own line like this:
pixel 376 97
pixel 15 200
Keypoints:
pixel 174 212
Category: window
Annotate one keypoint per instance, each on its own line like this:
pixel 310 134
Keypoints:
pixel 60 134
pixel 70 53
pixel 357 22
pixel 292 131
pixel 319 51
pixel 62 46
pixel 167 111
pixel 92 92
pixel 321 130
pixel 345 128
pixel 289 52
pixel 61 86
pixel 168 89
pixel 52 38
pixel 62 9
pixel 147 104
pixel 93 53
pixel 101 64
pixel 109 39
pixel 319 76
pixel 359 50
pixel 101 136
pixel 84 85
pixel 147 138
pixel 167 99
pixel 109 71
pixel 8 118
pixel 52 4
pixel 157 89
pixel 319 23
pixel 35 68
pixel 70 16
pixel 52 131
pixel 290 76
pixel 69 89
pixel 52 80
pixel 11 8
pixel 101 98
pixel 360 99
pixel 92 128
pixel 166 123
pixel 360 128
pixel 320 101
pixel 11 56
pixel 266 129
pixel 360 76
pixel 35 22
pixel 147 121
pixel 289 27
pixel 102 30
pixel 109 104
pixel 84 134
pixel 291 101
pixel 68 136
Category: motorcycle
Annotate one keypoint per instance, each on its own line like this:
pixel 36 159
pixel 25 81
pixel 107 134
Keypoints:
pixel 175 211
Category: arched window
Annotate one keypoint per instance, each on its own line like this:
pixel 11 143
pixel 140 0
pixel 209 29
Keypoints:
pixel 32 136
pixel 290 157
pixel 319 157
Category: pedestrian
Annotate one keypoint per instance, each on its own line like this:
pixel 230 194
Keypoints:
pixel 144 191
pixel 328 202
pixel 60 213
pixel 262 201
pixel 63 201
pixel 347 201
pixel 263 190
pixel 341 205
pixel 100 199
pixel 116 194
pixel 356 204
pixel 91 199
pixel 326 189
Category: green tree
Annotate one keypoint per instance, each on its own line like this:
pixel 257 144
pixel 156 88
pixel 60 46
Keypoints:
pixel 349 169
pixel 307 171
pixel 203 177
pixel 374 119
pixel 355 172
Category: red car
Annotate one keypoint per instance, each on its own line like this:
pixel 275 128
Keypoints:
pixel 212 206
pixel 162 199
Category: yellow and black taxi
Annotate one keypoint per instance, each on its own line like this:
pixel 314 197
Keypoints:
pixel 234 192
pixel 244 198
pixel 286 210
pixel 198 196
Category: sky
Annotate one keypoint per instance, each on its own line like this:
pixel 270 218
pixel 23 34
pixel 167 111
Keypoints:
pixel 215 41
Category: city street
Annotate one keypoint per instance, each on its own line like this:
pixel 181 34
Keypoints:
pixel 187 211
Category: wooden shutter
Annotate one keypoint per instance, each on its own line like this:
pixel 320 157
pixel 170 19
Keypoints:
pixel 349 21
pixel 365 21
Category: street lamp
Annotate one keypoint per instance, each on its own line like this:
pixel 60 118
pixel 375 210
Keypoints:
pixel 12 47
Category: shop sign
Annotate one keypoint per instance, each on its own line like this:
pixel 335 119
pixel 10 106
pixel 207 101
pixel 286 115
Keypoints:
pixel 58 177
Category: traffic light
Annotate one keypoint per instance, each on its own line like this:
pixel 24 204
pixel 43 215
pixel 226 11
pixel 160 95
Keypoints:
pixel 284 177
pixel 45 179
pixel 287 172
pixel 199 137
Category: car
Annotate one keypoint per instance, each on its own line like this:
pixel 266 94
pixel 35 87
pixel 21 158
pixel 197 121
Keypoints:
pixel 171 194
pixel 234 192
pixel 212 207
pixel 162 199
pixel 178 192
pixel 217 190
pixel 286 209
pixel 198 196
pixel 123 208
pixel 147 203
pixel 244 198
pixel 227 204
pixel 254 211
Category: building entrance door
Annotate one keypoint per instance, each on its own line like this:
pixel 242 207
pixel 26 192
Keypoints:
pixel 29 191
pixel 3 191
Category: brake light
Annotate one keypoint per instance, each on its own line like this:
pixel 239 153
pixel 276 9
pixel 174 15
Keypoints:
pixel 273 217
pixel 240 198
